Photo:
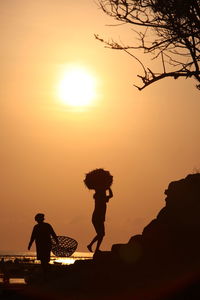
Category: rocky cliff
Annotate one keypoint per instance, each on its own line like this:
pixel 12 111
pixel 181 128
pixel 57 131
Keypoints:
pixel 174 235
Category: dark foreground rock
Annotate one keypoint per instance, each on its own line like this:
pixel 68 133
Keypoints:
pixel 161 263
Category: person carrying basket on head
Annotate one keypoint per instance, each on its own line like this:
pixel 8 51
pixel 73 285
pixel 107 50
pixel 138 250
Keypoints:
pixel 99 180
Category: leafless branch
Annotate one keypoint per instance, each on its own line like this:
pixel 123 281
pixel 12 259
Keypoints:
pixel 169 30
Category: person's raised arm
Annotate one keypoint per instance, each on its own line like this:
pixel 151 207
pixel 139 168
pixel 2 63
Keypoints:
pixel 110 194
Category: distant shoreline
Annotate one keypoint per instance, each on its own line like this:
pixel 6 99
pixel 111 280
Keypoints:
pixel 31 257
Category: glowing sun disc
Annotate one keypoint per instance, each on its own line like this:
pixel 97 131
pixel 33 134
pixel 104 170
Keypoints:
pixel 77 87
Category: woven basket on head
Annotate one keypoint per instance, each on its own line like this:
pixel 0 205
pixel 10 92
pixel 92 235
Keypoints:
pixel 66 246
pixel 97 179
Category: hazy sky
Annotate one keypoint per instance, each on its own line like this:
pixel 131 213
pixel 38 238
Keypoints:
pixel 145 139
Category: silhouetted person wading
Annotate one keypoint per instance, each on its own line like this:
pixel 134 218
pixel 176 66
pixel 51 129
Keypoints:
pixel 41 234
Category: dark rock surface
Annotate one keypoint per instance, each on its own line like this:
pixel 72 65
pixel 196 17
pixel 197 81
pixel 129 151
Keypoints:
pixel 175 233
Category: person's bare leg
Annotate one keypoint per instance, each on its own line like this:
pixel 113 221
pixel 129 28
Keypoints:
pixel 92 242
pixel 45 269
pixel 100 239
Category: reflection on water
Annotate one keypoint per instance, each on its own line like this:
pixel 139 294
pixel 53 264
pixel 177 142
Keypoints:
pixel 19 261
pixel 30 257
pixel 16 281
pixel 63 260
pixel 13 281
pixel 70 260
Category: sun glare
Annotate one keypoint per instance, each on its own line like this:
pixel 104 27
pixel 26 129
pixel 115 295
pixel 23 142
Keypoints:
pixel 77 87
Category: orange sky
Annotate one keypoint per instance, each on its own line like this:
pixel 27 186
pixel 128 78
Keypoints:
pixel 145 139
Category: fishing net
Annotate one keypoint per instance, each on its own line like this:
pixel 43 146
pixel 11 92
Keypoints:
pixel 98 178
pixel 65 248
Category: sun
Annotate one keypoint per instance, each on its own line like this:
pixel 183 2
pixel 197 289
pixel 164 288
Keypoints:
pixel 77 87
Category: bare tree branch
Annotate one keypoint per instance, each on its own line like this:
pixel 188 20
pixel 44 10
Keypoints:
pixel 170 32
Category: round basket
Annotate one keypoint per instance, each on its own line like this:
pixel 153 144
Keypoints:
pixel 98 179
pixel 65 248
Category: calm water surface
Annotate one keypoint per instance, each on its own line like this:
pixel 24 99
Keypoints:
pixel 30 257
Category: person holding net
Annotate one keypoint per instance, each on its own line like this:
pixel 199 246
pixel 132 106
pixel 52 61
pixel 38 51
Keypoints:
pixel 41 234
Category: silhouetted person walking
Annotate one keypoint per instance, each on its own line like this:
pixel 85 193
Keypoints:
pixel 41 234
pixel 98 216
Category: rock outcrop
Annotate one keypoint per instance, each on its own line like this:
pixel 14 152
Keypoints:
pixel 174 235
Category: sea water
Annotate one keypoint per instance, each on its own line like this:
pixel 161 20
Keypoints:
pixel 30 257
